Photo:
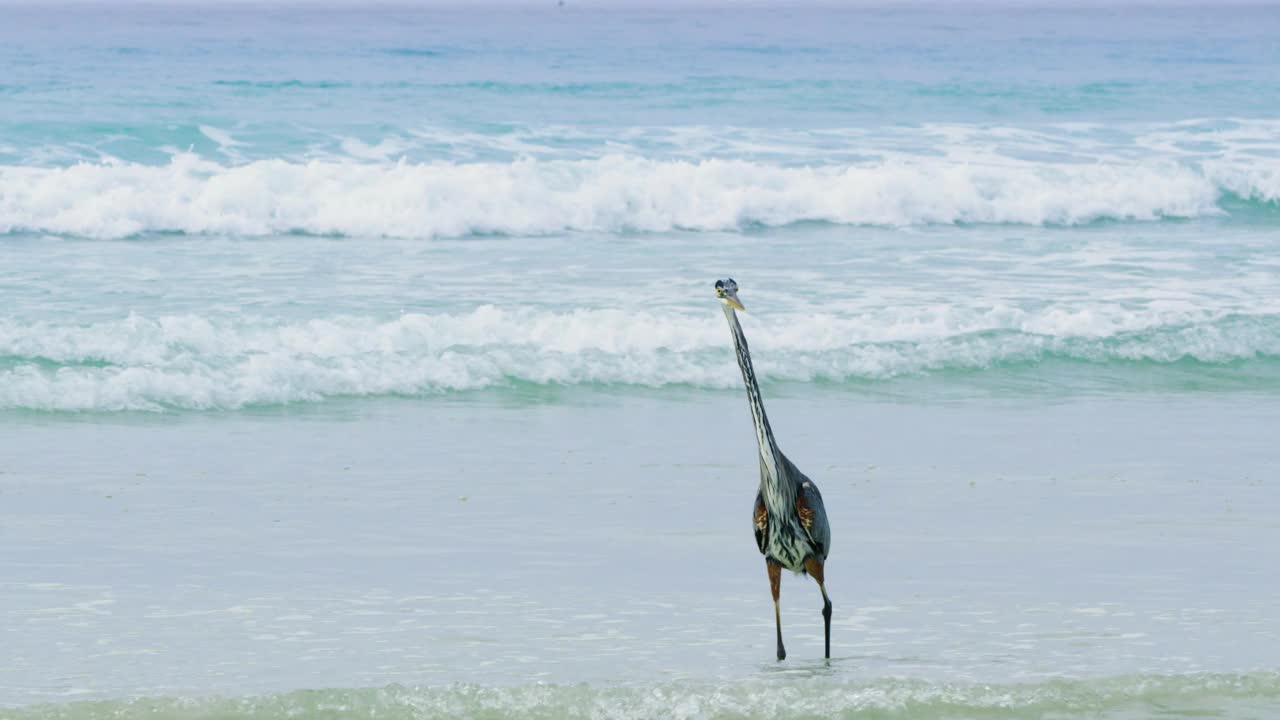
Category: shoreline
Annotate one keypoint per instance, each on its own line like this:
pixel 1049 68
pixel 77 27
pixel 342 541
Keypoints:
pixel 987 541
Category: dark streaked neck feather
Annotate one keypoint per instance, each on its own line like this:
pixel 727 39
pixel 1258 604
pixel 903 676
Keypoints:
pixel 770 456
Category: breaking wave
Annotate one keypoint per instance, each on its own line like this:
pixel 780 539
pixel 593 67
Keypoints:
pixel 610 194
pixel 1217 695
pixel 193 362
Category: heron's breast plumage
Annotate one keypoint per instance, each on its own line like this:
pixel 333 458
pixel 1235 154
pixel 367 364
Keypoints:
pixel 787 543
pixel 790 521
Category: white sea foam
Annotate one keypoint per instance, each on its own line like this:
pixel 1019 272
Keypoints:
pixel 528 180
pixel 617 193
pixel 141 363
pixel 1253 181
pixel 797 697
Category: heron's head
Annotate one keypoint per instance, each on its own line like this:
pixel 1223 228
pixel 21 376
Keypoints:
pixel 727 291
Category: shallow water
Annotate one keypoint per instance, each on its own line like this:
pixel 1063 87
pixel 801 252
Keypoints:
pixel 604 541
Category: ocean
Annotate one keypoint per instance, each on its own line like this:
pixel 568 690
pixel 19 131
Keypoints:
pixel 363 361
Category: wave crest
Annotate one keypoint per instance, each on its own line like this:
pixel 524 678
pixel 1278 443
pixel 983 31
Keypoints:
pixel 618 193
pixel 193 362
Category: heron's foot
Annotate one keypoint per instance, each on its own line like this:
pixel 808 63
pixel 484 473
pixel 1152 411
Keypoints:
pixel 782 653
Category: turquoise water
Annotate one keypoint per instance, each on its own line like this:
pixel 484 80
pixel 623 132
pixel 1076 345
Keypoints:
pixel 363 361
pixel 212 207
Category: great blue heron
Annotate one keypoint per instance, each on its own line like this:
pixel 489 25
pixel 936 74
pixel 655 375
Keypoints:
pixel 790 520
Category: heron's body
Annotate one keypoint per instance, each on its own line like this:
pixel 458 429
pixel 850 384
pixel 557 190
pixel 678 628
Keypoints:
pixel 789 518
pixel 791 528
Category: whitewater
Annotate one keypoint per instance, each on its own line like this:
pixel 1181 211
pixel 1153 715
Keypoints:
pixel 192 362
pixel 1169 222
pixel 945 179
pixel 364 361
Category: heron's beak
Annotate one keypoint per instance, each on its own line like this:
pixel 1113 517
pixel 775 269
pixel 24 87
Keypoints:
pixel 732 299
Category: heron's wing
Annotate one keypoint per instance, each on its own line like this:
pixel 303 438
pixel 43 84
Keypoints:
pixel 760 519
pixel 813 514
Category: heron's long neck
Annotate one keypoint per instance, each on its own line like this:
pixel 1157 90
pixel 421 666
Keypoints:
pixel 769 455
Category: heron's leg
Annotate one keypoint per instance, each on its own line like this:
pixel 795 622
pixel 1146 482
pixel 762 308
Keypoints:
pixel 814 568
pixel 775 585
